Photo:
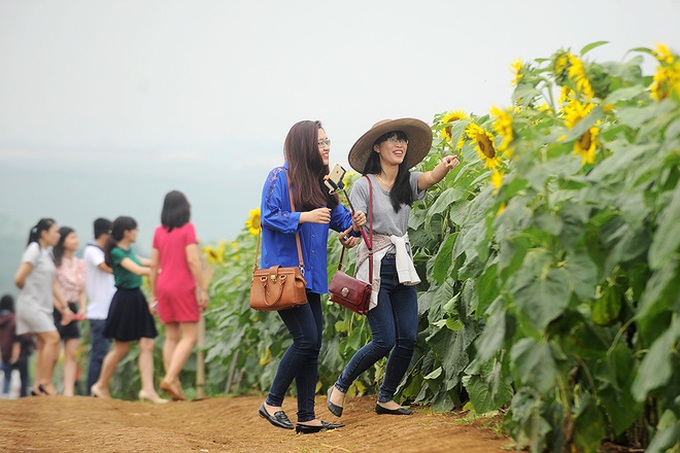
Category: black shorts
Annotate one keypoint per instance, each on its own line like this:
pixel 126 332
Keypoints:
pixel 71 330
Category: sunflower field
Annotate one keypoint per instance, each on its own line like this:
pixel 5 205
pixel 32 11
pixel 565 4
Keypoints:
pixel 550 261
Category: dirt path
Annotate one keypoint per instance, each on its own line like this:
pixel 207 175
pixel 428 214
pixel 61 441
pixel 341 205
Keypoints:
pixel 80 424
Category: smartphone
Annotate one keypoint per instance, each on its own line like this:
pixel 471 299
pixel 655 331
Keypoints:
pixel 334 179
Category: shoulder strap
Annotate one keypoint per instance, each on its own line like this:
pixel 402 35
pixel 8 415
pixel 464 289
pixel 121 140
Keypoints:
pixel 297 235
pixel 370 230
pixel 369 240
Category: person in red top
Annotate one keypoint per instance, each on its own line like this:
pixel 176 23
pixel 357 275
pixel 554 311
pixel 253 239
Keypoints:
pixel 177 284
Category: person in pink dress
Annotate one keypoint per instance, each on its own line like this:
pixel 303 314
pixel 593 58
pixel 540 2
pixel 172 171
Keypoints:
pixel 178 287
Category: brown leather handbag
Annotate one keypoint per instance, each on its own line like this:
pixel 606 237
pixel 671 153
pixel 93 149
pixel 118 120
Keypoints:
pixel 348 291
pixel 278 288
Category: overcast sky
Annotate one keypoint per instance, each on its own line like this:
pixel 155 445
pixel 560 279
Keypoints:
pixel 184 93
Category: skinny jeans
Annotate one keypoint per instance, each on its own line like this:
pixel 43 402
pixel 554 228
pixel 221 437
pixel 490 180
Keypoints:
pixel 301 360
pixel 394 326
pixel 99 348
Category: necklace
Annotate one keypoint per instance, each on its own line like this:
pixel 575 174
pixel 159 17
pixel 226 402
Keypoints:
pixel 387 184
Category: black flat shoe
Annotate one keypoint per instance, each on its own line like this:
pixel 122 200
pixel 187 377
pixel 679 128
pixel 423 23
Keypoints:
pixel 335 410
pixel 279 419
pixel 384 411
pixel 311 429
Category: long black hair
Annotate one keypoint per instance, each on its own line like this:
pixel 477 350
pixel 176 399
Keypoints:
pixel 401 192
pixel 305 167
pixel 118 229
pixel 58 250
pixel 176 210
pixel 43 224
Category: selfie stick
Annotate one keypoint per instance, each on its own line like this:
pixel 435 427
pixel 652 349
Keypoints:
pixel 341 186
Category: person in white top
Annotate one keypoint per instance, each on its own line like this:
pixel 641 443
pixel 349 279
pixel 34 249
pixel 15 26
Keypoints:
pixel 99 287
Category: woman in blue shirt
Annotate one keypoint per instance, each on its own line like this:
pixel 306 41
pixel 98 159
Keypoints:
pixel 306 151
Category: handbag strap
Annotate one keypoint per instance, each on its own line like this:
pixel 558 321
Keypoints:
pixel 297 234
pixel 369 243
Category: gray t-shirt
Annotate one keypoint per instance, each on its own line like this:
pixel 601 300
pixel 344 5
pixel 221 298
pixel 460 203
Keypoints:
pixel 34 305
pixel 385 220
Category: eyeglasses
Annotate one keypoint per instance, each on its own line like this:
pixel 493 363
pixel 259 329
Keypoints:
pixel 322 143
pixel 395 140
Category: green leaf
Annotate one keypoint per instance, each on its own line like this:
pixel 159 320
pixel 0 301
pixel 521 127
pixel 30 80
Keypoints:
pixel 454 324
pixel 660 294
pixel 487 287
pixel 491 339
pixel 444 199
pixel 624 94
pixel 665 439
pixel 481 394
pixel 582 273
pixel 443 260
pixel 434 374
pixel 587 48
pixel 543 296
pixel 667 237
pixel 533 364
pixel 589 427
pixel 655 369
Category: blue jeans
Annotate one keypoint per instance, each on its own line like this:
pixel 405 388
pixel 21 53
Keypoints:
pixel 22 366
pixel 99 348
pixel 301 359
pixel 394 326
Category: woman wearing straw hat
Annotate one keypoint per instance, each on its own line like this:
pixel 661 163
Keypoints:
pixel 384 156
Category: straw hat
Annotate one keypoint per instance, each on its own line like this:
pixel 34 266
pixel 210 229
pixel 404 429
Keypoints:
pixel 419 141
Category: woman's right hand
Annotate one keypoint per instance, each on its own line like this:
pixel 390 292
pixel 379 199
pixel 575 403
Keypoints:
pixel 67 316
pixel 319 215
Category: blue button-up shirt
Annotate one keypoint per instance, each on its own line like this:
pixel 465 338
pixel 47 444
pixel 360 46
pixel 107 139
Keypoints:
pixel 279 228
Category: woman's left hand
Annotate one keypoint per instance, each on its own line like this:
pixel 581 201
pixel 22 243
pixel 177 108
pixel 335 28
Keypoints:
pixel 203 300
pixel 450 162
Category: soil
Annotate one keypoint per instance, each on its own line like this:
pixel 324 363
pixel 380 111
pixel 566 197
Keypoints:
pixel 85 424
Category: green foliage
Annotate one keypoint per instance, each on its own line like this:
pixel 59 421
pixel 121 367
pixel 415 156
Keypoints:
pixel 550 266
pixel 569 268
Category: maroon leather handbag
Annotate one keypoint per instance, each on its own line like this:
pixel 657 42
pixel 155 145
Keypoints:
pixel 348 291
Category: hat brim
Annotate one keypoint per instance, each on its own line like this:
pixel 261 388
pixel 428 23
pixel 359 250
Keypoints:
pixel 419 141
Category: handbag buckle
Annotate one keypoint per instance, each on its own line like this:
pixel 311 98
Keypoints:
pixel 272 277
pixel 345 291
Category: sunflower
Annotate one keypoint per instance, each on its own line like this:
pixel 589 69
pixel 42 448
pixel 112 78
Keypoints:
pixel 496 180
pixel 516 69
pixel 666 80
pixel 502 126
pixel 586 145
pixel 448 118
pixel 484 145
pixel 663 54
pixel 577 74
pixel 575 111
pixel 253 222
pixel 212 254
pixel 565 95
pixel 560 64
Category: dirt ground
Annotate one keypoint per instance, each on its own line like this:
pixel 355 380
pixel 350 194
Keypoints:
pixel 82 424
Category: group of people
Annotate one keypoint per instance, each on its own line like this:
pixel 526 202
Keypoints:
pixel 58 290
pixel 384 156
